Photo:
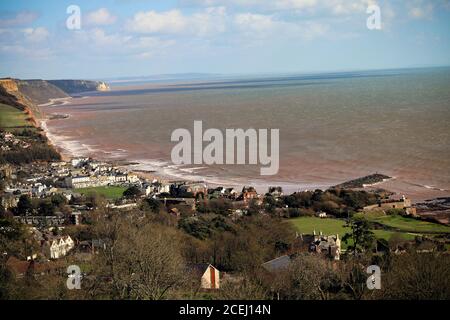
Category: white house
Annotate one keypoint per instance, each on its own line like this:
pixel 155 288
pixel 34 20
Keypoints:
pixel 57 247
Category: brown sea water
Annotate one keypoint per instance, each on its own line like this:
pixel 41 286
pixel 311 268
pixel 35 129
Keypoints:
pixel 333 127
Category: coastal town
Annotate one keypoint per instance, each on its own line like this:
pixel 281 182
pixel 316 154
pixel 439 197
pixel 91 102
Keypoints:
pixel 132 235
pixel 53 199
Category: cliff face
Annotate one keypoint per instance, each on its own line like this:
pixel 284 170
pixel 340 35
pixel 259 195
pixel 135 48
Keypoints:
pixel 9 85
pixel 11 95
pixel 78 86
pixel 27 94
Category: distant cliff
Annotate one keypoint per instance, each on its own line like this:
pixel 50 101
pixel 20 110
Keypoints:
pixel 78 86
pixel 27 94
pixel 40 91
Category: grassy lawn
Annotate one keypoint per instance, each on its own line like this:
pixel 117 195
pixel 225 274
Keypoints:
pixel 328 226
pixel 386 235
pixel 410 225
pixel 110 192
pixel 335 226
pixel 11 117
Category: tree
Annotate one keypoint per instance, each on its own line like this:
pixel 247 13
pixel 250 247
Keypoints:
pixel 132 192
pixel 270 203
pixel 308 277
pixel 58 200
pixel 417 276
pixel 142 260
pixel 361 236
pixel 24 206
pixel 153 205
pixel 46 208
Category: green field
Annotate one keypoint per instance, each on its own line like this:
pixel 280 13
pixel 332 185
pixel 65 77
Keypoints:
pixel 410 225
pixel 328 226
pixel 11 117
pixel 109 192
pixel 331 226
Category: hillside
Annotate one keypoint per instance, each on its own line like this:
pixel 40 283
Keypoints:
pixel 25 95
pixel 40 91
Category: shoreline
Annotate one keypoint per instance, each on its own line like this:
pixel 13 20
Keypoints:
pixel 160 169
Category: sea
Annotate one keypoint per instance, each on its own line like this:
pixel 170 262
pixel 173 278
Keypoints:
pixel 333 127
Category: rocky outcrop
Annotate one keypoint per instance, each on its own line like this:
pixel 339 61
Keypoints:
pixel 79 86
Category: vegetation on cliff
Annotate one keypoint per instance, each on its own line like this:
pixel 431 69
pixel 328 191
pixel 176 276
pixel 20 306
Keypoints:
pixel 360 182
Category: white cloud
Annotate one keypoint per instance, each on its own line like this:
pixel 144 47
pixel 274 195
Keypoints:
pixel 20 19
pixel 336 7
pixel 206 22
pixel 345 7
pixel 36 34
pixel 100 17
pixel 101 38
pixel 153 22
pixel 254 22
pixel 295 4
pixel 266 26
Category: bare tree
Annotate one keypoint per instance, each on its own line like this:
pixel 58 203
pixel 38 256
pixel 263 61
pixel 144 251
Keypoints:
pixel 141 260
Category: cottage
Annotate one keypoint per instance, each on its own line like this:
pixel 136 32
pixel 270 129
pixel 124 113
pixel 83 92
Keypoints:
pixel 321 214
pixel 208 275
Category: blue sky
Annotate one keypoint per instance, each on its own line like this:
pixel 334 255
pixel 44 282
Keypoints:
pixel 120 38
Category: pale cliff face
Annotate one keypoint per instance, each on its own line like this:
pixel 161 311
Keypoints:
pixel 102 86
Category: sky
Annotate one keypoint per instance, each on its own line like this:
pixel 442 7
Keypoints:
pixel 132 38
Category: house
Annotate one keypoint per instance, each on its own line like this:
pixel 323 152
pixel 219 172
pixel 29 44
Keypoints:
pixel 249 193
pixel 209 276
pixel 42 221
pixel 78 182
pixel 321 214
pixel 231 193
pixel 216 193
pixel 9 200
pixel 78 162
pixel 330 246
pixel 194 188
pixel 275 192
pixel 404 203
pixel 57 247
